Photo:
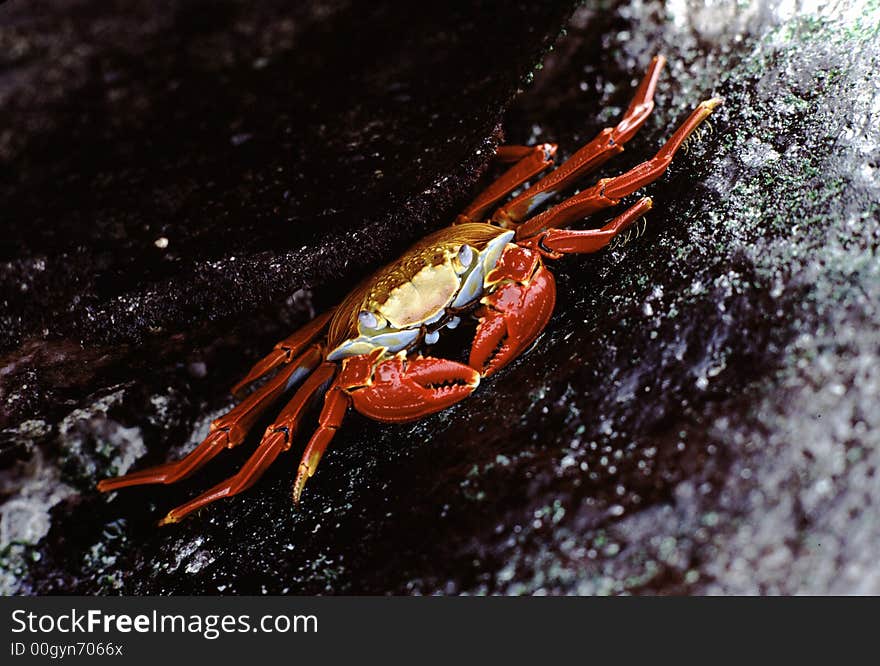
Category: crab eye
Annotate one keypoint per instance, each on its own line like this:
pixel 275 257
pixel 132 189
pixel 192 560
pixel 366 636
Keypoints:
pixel 368 320
pixel 465 256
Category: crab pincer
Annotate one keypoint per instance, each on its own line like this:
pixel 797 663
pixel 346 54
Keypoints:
pixel 404 389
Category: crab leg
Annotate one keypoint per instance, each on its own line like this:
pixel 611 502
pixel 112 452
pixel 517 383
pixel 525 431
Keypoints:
pixel 609 191
pixel 530 160
pixel 286 350
pixel 226 432
pixel 512 153
pixel 608 143
pixel 554 243
pixel 277 439
pixel 336 404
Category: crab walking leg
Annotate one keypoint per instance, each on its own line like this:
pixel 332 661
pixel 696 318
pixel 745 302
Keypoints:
pixel 226 432
pixel 609 191
pixel 286 350
pixel 277 439
pixel 336 404
pixel 513 153
pixel 554 243
pixel 608 143
pixel 531 160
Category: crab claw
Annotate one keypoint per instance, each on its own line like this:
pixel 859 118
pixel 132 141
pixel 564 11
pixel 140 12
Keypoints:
pixel 405 389
pixel 515 314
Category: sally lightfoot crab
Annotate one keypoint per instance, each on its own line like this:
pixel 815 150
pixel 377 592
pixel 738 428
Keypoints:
pixel 369 352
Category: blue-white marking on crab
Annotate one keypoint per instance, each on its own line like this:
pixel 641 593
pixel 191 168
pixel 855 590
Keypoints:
pixel 393 340
pixel 298 375
pixel 472 288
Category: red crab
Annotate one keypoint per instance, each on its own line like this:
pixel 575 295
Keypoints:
pixel 367 353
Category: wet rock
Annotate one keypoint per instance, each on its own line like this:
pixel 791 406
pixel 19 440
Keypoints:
pixel 698 416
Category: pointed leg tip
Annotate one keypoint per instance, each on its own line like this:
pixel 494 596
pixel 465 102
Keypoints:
pixel 643 205
pixel 711 104
pixel 169 519
pixel 297 493
pixel 303 474
pixel 298 487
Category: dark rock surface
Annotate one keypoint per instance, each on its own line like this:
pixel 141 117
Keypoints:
pixel 700 416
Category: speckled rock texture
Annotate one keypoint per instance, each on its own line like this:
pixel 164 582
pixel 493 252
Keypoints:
pixel 179 188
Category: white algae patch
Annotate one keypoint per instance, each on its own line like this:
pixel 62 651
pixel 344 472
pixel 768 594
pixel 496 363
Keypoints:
pixel 189 554
pixel 83 428
pixel 91 443
pixel 34 490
